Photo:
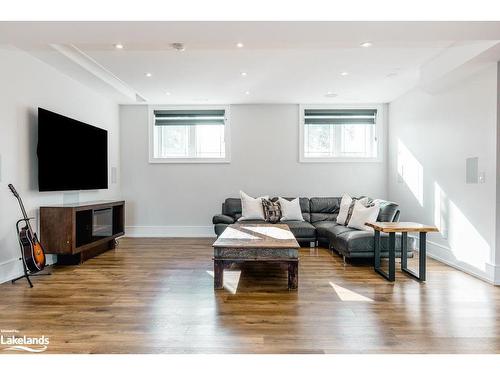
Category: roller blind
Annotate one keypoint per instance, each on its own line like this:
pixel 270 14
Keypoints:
pixel 189 117
pixel 340 116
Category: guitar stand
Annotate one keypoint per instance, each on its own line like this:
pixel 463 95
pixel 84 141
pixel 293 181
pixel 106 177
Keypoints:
pixel 27 274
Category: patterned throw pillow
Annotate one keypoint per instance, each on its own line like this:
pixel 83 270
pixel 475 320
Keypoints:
pixel 272 210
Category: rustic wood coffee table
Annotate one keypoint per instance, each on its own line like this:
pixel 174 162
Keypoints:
pixel 273 243
pixel 404 228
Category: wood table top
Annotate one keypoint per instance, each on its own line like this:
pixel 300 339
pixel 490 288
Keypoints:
pixel 404 226
pixel 257 236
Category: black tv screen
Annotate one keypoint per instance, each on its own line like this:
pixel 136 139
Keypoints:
pixel 72 155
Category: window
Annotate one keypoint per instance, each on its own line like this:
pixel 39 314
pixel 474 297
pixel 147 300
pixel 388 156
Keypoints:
pixel 187 135
pixel 339 134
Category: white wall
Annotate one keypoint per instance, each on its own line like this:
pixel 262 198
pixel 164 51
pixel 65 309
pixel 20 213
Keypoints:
pixel 180 199
pixel 26 84
pixel 497 255
pixel 434 133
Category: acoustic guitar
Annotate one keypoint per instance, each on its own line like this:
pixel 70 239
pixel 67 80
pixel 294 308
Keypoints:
pixel 33 254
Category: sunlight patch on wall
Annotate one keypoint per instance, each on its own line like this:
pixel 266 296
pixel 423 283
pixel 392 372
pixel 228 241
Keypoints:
pixel 465 242
pixel 411 171
pixel 347 295
pixel 441 210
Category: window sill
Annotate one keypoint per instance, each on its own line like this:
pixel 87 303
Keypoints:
pixel 339 160
pixel 189 161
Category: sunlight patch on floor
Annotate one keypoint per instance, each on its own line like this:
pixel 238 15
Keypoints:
pixel 347 295
pixel 278 233
pixel 232 233
pixel 231 280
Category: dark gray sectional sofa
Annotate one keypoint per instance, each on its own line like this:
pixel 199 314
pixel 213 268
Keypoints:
pixel 320 214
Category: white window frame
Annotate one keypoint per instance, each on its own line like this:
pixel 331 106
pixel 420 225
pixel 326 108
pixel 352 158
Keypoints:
pixel 379 134
pixel 172 160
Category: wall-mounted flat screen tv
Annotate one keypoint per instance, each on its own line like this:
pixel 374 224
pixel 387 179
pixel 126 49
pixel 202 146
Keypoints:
pixel 72 155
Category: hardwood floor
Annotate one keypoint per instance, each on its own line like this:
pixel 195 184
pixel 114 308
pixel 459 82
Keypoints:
pixel 156 296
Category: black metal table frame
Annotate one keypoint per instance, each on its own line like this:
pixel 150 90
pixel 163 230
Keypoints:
pixel 391 274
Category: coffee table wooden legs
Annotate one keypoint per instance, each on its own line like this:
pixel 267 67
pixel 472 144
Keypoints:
pixel 218 274
pixel 293 275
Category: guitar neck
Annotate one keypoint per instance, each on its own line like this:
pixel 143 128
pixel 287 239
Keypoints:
pixel 23 210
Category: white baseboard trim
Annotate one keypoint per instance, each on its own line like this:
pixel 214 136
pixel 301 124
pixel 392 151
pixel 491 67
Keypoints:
pixel 444 255
pixel 170 231
pixel 13 268
pixel 494 269
pixel 9 270
pixel 8 261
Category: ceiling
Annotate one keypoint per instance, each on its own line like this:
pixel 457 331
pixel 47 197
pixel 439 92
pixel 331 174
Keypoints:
pixel 284 62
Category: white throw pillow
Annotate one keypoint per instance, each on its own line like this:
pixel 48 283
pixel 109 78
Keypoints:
pixel 251 208
pixel 361 215
pixel 345 203
pixel 290 210
pixel 346 206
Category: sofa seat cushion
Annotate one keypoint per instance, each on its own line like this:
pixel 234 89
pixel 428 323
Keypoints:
pixel 301 229
pixel 337 230
pixel 324 228
pixel 360 241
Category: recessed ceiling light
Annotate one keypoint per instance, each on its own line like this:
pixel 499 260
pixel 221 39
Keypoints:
pixel 168 93
pixel 239 45
pixel 148 75
pixel 178 46
pixel 247 92
pixel 366 44
pixel 119 46
pixel 344 74
pixel 330 94
pixel 243 74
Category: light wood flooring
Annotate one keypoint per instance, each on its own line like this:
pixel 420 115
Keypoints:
pixel 156 296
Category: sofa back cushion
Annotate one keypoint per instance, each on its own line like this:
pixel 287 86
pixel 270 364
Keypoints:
pixel 388 210
pixel 316 209
pixel 232 207
pixel 324 208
